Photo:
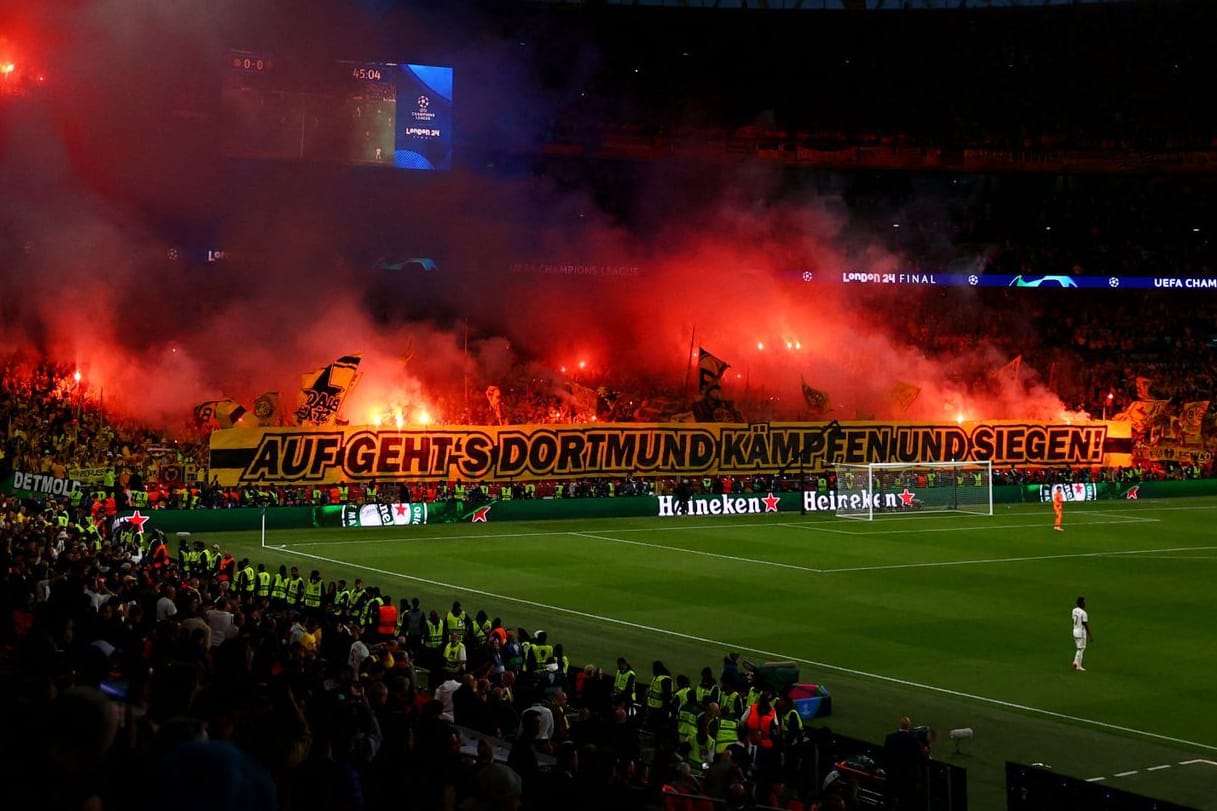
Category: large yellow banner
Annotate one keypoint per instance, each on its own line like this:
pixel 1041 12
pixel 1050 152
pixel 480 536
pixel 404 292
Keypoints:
pixel 242 456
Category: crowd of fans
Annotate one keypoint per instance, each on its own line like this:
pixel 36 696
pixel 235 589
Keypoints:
pixel 139 676
pixel 144 678
pixel 143 673
pixel 1098 355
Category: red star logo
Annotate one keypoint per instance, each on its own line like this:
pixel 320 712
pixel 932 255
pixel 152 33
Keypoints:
pixel 1132 493
pixel 771 503
pixel 400 508
pixel 138 521
pixel 479 515
pixel 906 498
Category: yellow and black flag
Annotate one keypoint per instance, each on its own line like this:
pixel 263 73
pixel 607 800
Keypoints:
pixel 1011 370
pixel 218 413
pixel 266 406
pixel 323 391
pixel 902 396
pixel 1143 384
pixel 816 400
pixel 709 374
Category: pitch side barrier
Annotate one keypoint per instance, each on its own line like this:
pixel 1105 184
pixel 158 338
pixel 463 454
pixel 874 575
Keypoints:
pixel 250 518
pixel 1128 490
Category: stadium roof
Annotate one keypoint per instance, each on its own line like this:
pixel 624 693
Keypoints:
pixel 833 5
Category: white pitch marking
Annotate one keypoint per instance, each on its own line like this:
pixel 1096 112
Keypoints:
pixel 1158 768
pixel 883 567
pixel 1179 557
pixel 846 569
pixel 969 528
pixel 1127 774
pixel 1198 760
pixel 1016 559
pixel 1095 779
pixel 775 656
pixel 683 550
pixel 1129 519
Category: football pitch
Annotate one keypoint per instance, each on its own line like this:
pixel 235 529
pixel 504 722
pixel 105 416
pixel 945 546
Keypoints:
pixel 955 620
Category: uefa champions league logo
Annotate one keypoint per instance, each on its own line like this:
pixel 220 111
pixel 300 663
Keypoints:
pixel 423 113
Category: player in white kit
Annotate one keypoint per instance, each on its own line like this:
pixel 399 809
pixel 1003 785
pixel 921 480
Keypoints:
pixel 1081 632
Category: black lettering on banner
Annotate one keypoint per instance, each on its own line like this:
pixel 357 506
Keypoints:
pixel 415 454
pixel 266 462
pixel 701 452
pixel 571 447
pixel 619 451
pixel 542 453
pixel 359 457
pixel 513 454
pixel 676 451
pixel 479 453
pixel 296 457
pixel 982 443
pixel 758 454
pixel 648 451
pixel 956 445
pixel 326 454
pixel 785 447
pixel 388 460
pixel 732 451
pixel 1037 443
pixel 478 460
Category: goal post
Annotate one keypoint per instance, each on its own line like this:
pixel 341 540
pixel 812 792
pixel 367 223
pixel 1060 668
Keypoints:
pixel 896 488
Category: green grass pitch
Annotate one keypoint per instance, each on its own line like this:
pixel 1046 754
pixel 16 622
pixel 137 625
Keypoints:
pixel 954 620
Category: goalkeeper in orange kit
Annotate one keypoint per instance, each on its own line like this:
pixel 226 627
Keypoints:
pixel 1058 508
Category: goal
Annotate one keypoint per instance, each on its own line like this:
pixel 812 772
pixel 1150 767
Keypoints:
pixel 895 488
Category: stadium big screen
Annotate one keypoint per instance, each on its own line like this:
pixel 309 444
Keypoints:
pixel 365 113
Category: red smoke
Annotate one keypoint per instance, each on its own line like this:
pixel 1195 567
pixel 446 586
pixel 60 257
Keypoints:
pixel 99 173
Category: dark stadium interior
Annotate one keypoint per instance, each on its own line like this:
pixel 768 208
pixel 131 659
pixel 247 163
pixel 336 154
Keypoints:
pixel 614 185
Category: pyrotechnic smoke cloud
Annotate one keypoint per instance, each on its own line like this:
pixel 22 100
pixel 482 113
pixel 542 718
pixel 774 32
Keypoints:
pixel 102 171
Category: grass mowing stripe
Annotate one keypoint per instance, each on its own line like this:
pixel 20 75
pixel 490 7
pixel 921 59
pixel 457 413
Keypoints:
pixel 736 558
pixel 782 656
pixel 970 528
pixel 889 566
pixel 933 564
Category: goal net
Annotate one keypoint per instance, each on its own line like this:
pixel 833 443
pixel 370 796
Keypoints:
pixel 895 488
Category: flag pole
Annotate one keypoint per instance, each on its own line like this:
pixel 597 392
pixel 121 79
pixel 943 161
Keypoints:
pixel 689 359
pixel 263 526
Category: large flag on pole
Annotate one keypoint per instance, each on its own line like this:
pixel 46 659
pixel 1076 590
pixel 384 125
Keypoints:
pixel 1143 384
pixel 1191 422
pixel 218 413
pixel 1011 370
pixel 903 395
pixel 816 400
pixel 266 406
pixel 709 373
pixel 322 392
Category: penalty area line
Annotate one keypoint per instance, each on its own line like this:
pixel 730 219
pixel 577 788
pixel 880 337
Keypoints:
pixel 684 550
pixel 778 656
pixel 970 528
pixel 1019 559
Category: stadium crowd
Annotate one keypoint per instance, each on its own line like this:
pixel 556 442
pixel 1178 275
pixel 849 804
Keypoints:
pixel 144 672
pixel 144 677
pixel 140 676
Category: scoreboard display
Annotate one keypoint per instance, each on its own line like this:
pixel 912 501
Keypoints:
pixel 395 115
